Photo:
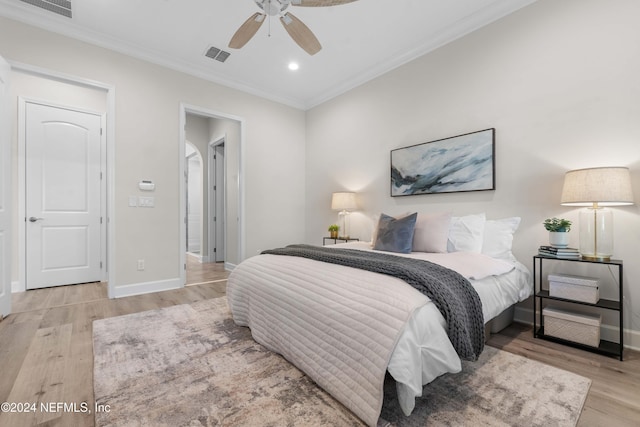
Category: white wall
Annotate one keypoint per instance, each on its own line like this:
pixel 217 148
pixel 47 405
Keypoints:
pixel 194 205
pixel 147 135
pixel 197 133
pixel 559 82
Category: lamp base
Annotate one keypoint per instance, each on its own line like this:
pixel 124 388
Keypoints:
pixel 596 234
pixel 345 224
pixel 596 258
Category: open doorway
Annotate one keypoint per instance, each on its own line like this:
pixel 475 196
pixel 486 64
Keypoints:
pixel 216 139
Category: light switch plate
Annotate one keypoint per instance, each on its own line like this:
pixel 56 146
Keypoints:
pixel 146 202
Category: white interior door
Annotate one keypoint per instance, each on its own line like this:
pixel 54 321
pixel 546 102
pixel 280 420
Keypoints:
pixel 5 192
pixel 62 149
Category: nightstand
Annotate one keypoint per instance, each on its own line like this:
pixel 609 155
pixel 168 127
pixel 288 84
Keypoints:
pixel 338 239
pixel 607 348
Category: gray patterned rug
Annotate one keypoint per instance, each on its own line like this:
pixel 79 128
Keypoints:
pixel 190 365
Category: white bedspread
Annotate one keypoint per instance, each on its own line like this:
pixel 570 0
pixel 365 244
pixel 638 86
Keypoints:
pixel 304 310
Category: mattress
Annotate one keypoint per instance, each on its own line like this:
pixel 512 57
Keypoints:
pixel 421 351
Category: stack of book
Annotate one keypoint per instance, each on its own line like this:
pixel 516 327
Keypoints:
pixel 565 253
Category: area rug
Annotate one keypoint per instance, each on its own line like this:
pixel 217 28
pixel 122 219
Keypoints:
pixel 190 365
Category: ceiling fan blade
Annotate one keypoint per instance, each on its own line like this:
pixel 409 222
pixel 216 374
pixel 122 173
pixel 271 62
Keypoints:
pixel 319 3
pixel 247 30
pixel 300 34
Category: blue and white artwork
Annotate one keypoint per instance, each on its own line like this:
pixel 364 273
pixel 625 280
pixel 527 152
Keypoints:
pixel 459 163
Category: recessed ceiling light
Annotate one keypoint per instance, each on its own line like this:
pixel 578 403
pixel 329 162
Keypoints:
pixel 293 66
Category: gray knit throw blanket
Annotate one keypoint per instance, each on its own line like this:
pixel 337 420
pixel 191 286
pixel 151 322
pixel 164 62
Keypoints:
pixel 454 296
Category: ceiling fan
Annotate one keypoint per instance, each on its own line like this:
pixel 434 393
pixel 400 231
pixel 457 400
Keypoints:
pixel 298 31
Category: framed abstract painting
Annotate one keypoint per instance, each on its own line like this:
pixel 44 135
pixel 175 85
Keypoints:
pixel 459 163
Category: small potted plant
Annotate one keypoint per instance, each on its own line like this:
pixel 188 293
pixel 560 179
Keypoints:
pixel 558 229
pixel 333 231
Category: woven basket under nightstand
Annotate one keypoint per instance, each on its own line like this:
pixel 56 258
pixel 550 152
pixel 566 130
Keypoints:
pixel 577 327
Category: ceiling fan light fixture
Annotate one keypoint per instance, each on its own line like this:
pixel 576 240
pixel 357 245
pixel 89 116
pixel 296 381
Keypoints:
pixel 272 7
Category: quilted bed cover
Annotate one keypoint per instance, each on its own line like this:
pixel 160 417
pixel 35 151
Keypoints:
pixel 346 327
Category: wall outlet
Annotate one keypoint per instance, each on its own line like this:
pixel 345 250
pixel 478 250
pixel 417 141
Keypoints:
pixel 140 265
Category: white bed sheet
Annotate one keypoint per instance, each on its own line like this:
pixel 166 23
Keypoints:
pixel 424 351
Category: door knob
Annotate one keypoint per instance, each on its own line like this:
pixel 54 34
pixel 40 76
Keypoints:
pixel 34 219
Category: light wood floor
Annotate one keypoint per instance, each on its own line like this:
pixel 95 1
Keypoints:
pixel 46 353
pixel 204 272
pixel 46 344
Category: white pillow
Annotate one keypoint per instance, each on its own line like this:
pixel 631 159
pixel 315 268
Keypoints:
pixel 466 233
pixel 431 232
pixel 498 237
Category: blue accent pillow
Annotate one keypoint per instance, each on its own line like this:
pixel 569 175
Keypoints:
pixel 395 235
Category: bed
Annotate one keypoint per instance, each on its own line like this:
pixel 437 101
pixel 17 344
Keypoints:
pixel 346 327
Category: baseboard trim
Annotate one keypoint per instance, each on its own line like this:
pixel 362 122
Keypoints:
pixel 523 315
pixel 229 266
pixel 607 332
pixel 146 287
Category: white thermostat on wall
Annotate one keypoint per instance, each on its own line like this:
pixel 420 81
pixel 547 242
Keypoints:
pixel 145 185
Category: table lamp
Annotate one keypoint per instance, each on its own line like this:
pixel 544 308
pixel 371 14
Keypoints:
pixel 597 188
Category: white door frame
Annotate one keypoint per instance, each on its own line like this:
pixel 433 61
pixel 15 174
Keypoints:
pixel 212 238
pixel 108 181
pixel 6 211
pixel 184 109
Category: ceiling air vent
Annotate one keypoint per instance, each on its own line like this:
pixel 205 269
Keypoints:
pixel 61 7
pixel 217 54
